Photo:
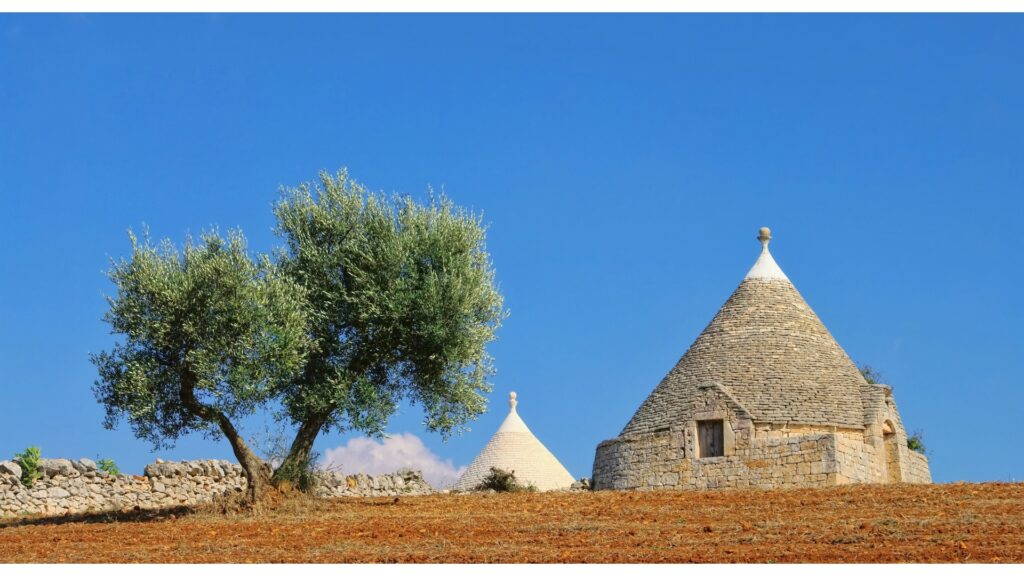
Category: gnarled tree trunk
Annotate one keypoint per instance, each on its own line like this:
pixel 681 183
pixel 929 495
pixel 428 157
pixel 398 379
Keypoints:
pixel 257 472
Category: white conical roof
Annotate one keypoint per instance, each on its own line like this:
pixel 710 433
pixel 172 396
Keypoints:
pixel 514 448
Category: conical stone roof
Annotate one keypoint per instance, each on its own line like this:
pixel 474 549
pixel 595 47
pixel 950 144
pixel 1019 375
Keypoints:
pixel 514 448
pixel 769 351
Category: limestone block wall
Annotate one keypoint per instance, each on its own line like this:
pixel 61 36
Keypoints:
pixel 756 454
pixel 889 437
pixel 918 471
pixel 857 461
pixel 759 454
pixel 655 461
pixel 788 457
pixel 407 483
pixel 636 462
pixel 75 487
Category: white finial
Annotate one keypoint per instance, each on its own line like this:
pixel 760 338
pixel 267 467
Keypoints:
pixel 512 401
pixel 765 268
pixel 765 236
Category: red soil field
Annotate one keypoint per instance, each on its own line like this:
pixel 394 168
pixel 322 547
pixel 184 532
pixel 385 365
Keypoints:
pixel 901 523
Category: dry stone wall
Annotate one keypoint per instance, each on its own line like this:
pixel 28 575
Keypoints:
pixel 336 485
pixel 654 461
pixel 758 454
pixel 773 459
pixel 857 461
pixel 76 487
pixel 918 470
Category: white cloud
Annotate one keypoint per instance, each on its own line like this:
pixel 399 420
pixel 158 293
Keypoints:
pixel 395 452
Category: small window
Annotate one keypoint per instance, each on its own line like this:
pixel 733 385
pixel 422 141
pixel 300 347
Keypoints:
pixel 710 439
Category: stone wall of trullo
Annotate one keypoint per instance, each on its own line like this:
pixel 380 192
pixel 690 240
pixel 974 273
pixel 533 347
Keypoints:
pixel 756 454
pixel 918 470
pixel 655 462
pixel 858 461
pixel 75 487
pixel 801 457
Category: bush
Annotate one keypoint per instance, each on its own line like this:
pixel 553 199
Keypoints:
pixel 916 442
pixel 870 374
pixel 108 466
pixel 501 481
pixel 29 462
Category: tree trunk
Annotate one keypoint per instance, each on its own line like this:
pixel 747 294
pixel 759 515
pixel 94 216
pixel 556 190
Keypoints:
pixel 298 455
pixel 257 472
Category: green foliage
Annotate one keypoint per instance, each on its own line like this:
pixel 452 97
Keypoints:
pixel 870 374
pixel 371 301
pixel 108 466
pixel 403 301
pixel 207 324
pixel 29 463
pixel 916 442
pixel 503 481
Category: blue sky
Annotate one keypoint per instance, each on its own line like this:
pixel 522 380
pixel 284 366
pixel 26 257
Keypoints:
pixel 623 163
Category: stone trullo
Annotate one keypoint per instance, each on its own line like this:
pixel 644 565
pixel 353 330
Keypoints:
pixel 514 448
pixel 764 397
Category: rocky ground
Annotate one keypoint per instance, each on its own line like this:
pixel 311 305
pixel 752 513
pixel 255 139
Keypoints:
pixel 903 523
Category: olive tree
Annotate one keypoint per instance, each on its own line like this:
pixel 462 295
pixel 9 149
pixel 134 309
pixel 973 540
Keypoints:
pixel 402 303
pixel 208 335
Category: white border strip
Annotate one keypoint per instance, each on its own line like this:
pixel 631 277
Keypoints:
pixel 512 6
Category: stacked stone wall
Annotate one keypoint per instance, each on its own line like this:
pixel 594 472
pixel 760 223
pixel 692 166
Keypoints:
pixel 655 461
pixel 776 457
pixel 918 471
pixel 757 453
pixel 74 487
pixel 857 461
pixel 338 485
pixel 77 487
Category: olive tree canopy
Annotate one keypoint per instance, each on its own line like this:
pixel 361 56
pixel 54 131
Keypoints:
pixel 402 304
pixel 371 301
pixel 208 336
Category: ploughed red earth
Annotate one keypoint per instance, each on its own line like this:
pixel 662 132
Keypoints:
pixel 897 523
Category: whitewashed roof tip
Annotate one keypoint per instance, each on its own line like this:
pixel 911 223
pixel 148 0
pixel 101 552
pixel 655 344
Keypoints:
pixel 765 268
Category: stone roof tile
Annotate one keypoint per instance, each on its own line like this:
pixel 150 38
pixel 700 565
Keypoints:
pixel 772 353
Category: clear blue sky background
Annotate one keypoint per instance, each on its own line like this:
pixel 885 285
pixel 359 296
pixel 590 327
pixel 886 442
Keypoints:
pixel 624 164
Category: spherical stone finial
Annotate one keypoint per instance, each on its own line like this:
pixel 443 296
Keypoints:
pixel 764 235
pixel 512 400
